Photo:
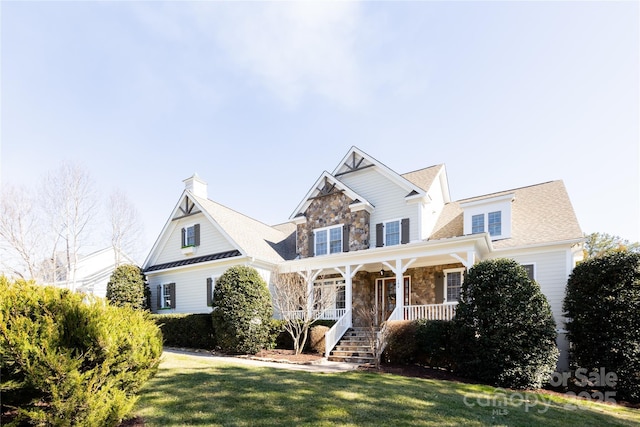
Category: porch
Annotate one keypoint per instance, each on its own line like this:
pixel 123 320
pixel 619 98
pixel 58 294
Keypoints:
pixel 418 280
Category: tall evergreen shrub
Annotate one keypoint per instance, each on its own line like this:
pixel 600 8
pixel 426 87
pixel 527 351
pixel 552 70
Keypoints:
pixel 126 286
pixel 505 331
pixel 602 304
pixel 68 361
pixel 242 311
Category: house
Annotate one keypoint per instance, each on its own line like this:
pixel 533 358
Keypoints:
pixel 378 238
pixel 93 271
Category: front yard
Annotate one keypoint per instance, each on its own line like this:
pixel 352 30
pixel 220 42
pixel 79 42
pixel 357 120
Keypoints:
pixel 193 390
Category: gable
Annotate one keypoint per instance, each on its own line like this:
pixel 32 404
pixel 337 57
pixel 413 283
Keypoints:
pixel 328 185
pixel 188 212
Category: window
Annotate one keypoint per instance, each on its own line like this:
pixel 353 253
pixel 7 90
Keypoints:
pixel 392 233
pixel 328 240
pixel 531 270
pixel 191 236
pixel 211 285
pixel 330 296
pixel 166 296
pixel 477 224
pixel 453 284
pixel 495 223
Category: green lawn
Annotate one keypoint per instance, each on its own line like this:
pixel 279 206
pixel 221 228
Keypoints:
pixel 191 390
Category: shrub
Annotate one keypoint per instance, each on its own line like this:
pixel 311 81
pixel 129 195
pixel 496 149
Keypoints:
pixel 65 361
pixel 316 338
pixel 602 304
pixel 186 330
pixel 401 342
pixel 504 332
pixel 434 343
pixel 242 311
pixel 126 286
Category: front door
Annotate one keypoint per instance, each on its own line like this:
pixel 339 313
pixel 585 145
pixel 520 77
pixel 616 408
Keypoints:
pixel 385 298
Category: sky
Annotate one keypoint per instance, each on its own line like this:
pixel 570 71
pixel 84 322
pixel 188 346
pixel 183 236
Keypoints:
pixel 259 98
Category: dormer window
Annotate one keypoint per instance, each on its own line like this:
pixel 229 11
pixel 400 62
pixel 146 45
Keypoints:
pixel 489 215
pixel 493 223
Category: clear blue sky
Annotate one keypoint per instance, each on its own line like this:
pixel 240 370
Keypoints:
pixel 260 98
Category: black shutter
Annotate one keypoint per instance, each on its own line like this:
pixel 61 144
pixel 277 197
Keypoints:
pixel 209 291
pixel 440 288
pixel 196 232
pixel 345 238
pixel 159 298
pixel 172 292
pixel 312 248
pixel 379 235
pixel 184 237
pixel 404 237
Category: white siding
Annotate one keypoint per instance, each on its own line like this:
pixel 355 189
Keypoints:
pixel 211 240
pixel 431 211
pixel 387 197
pixel 191 286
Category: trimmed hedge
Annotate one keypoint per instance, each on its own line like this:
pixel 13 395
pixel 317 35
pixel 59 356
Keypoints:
pixel 186 330
pixel 68 361
pixel 401 342
pixel 283 339
pixel 603 307
pixel 242 311
pixel 127 286
pixel 504 328
pixel 434 343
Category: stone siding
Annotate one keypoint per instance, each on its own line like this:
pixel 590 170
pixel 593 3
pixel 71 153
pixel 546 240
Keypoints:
pixel 333 209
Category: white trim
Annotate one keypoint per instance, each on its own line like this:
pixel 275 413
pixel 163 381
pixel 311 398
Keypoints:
pixel 446 272
pixel 328 230
pixel 388 173
pixel 306 201
pixel 489 200
pixel 384 231
pixel 535 268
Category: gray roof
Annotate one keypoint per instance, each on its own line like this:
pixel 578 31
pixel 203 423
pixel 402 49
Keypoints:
pixel 540 213
pixel 254 238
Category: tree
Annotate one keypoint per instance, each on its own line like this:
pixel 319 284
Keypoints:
pixel 242 311
pixel 126 286
pixel 69 201
pixel 602 304
pixel 126 227
pixel 598 244
pixel 21 232
pixel 505 331
pixel 299 305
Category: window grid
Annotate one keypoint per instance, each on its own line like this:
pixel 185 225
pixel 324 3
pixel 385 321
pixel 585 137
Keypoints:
pixel 392 233
pixel 321 242
pixel 477 224
pixel 495 223
pixel 454 286
pixel 335 243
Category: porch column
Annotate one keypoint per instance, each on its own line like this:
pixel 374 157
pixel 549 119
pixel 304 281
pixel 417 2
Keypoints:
pixel 347 274
pixel 310 276
pixel 399 271
pixel 468 263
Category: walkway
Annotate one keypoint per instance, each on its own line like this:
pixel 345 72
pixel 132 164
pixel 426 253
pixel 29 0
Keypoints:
pixel 322 365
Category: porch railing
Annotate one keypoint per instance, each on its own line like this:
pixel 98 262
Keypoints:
pixel 327 314
pixel 444 311
pixel 336 332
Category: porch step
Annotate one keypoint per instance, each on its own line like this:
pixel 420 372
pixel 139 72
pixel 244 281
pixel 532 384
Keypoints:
pixel 354 347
